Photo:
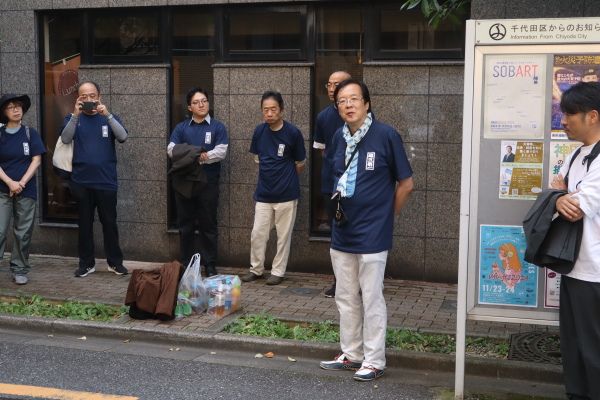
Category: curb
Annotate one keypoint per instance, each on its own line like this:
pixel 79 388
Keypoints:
pixel 475 366
pixel 11 295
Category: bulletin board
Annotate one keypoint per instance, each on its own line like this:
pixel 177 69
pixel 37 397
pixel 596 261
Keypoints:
pixel 513 145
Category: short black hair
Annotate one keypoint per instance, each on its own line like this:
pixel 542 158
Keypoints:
pixel 3 117
pixel 272 94
pixel 582 97
pixel 92 82
pixel 192 92
pixel 363 88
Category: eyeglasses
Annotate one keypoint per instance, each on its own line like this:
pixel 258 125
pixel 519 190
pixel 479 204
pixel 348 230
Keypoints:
pixel 199 102
pixel 331 85
pixel 342 103
pixel 16 107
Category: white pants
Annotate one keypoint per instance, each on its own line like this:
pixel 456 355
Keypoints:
pixel 266 215
pixel 362 333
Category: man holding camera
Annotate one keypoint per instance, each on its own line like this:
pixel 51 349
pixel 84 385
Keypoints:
pixel 93 131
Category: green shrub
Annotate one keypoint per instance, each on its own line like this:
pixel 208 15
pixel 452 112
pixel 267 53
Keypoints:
pixel 37 307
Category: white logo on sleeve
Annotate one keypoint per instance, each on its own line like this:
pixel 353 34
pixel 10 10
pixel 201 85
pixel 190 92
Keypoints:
pixel 208 138
pixel 104 131
pixel 26 149
pixel 370 161
pixel 281 150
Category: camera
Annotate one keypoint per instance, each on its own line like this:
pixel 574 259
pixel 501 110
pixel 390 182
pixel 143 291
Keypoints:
pixel 89 105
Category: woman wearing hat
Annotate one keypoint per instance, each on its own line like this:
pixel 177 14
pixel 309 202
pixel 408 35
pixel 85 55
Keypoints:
pixel 21 150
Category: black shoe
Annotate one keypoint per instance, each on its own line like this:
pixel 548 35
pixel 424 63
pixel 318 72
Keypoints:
pixel 331 292
pixel 119 270
pixel 274 280
pixel 251 276
pixel 210 270
pixel 84 271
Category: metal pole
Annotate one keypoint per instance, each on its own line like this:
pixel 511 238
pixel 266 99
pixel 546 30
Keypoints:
pixel 461 312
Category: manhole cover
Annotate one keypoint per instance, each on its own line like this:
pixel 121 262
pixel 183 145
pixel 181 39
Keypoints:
pixel 540 347
pixel 301 291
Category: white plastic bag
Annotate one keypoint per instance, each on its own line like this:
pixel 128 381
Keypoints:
pixel 191 296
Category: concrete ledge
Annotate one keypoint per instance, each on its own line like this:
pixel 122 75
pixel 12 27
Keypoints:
pixel 502 369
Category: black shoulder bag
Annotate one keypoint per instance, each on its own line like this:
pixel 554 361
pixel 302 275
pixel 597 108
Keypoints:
pixel 339 215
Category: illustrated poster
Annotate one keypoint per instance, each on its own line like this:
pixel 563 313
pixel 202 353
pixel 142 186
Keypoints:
pixel 552 294
pixel 558 153
pixel 570 69
pixel 514 96
pixel 504 277
pixel 521 169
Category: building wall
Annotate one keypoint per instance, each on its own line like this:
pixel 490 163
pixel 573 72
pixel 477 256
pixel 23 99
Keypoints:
pixel 423 101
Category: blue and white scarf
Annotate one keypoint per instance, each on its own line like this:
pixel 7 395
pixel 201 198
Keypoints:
pixel 347 182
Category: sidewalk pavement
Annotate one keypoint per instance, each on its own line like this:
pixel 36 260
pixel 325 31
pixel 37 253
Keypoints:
pixel 428 307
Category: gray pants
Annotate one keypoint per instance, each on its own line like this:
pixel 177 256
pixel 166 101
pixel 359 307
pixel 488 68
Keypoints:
pixel 22 209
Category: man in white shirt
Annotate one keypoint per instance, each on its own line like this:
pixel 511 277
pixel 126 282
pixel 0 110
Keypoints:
pixel 200 130
pixel 580 288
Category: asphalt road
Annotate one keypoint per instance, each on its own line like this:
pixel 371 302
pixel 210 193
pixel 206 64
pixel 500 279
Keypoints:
pixel 60 366
pixel 152 371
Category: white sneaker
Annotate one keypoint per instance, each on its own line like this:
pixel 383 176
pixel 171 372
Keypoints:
pixel 340 363
pixel 367 373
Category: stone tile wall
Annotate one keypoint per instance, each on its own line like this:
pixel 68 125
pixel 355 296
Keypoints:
pixel 139 97
pixel 424 103
pixel 238 90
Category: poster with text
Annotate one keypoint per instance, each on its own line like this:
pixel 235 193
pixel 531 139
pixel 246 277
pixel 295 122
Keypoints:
pixel 514 96
pixel 570 69
pixel 521 169
pixel 558 153
pixel 552 294
pixel 504 276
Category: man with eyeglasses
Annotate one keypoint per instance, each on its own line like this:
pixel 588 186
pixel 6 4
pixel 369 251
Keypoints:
pixel 200 130
pixel 373 178
pixel 278 148
pixel 328 122
pixel 93 181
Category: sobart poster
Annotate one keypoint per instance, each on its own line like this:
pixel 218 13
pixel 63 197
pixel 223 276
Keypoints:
pixel 521 166
pixel 504 276
pixel 514 96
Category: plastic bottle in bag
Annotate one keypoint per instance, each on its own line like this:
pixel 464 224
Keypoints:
pixel 192 296
pixel 220 302
pixel 211 288
pixel 227 294
pixel 187 306
pixel 236 291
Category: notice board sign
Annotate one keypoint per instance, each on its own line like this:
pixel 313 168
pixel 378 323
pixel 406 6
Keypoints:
pixel 513 145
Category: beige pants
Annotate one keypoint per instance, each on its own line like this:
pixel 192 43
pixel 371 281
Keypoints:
pixel 363 319
pixel 266 216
